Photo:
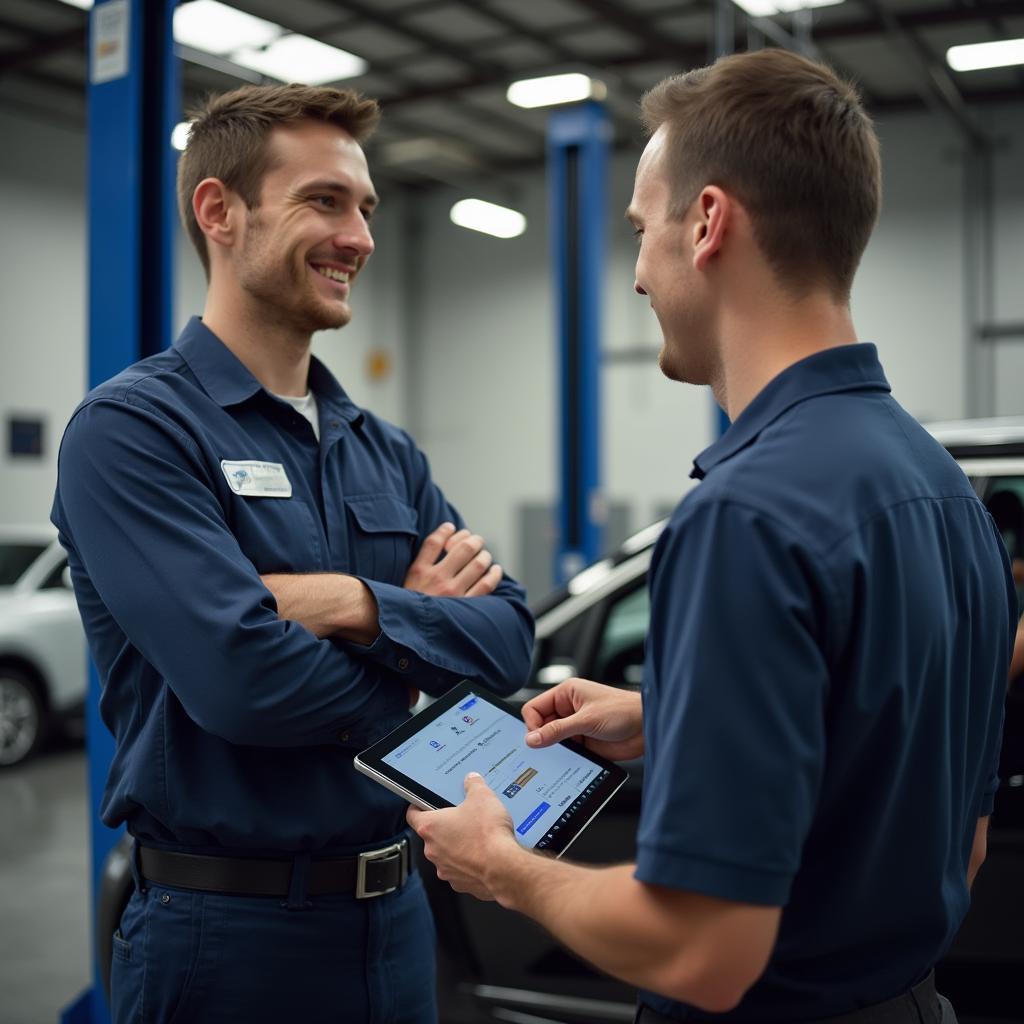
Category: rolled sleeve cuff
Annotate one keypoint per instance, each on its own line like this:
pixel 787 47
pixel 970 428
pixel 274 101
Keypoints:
pixel 736 882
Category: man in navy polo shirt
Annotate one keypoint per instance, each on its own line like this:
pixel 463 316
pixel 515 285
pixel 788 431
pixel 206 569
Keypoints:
pixel 831 610
pixel 266 574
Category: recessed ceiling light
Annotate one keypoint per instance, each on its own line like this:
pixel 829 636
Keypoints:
pixel 553 89
pixel 766 8
pixel 296 58
pixel 217 28
pixel 489 218
pixel 179 135
pixel 976 56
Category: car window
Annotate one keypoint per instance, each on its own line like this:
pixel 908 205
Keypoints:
pixel 560 648
pixel 55 580
pixel 620 647
pixel 1004 498
pixel 15 559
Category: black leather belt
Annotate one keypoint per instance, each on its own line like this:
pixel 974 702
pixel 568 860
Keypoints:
pixel 371 873
pixel 919 1005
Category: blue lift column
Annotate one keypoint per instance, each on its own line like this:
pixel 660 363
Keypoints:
pixel 134 100
pixel 577 146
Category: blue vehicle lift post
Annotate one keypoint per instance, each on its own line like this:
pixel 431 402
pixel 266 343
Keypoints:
pixel 133 104
pixel 577 149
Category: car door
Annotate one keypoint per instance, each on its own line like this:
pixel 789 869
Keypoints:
pixel 507 962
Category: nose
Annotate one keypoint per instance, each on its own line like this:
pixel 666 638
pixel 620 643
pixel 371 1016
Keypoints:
pixel 638 288
pixel 355 236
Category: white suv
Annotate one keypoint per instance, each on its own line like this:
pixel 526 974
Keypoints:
pixel 42 645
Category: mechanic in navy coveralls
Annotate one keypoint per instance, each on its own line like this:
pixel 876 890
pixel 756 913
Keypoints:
pixel 267 573
pixel 831 610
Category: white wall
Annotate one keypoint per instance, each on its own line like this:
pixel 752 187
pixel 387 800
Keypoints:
pixel 1007 126
pixel 42 300
pixel 469 323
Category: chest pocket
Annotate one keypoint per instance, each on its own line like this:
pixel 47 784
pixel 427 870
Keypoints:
pixel 383 537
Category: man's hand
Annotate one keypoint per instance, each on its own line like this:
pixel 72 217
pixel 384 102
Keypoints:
pixel 610 721
pixel 470 843
pixel 453 563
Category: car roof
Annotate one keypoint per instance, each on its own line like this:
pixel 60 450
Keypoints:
pixel 978 433
pixel 27 533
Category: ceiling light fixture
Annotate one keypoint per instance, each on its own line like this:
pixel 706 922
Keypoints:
pixel 977 56
pixel 553 89
pixel 245 41
pixel 217 28
pixel 766 8
pixel 295 58
pixel 179 135
pixel 489 218
pixel 85 5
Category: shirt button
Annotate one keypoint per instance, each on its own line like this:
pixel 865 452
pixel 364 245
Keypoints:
pixel 165 898
pixel 335 424
pixel 403 663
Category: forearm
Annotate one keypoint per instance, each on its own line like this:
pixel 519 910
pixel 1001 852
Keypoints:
pixel 327 604
pixel 690 947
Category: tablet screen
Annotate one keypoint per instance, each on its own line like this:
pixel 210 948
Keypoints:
pixel 550 793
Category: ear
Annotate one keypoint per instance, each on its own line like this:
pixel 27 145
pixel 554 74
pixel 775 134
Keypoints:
pixel 217 210
pixel 715 212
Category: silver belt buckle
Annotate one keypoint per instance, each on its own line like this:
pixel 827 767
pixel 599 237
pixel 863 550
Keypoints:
pixel 401 849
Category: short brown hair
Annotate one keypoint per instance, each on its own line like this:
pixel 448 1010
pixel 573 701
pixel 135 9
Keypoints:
pixel 229 134
pixel 792 142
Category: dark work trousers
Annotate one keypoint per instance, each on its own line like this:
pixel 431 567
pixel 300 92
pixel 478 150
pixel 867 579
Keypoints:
pixel 204 958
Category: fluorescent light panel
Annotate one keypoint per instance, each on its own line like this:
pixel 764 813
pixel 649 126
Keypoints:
pixel 766 8
pixel 85 5
pixel 296 58
pixel 552 89
pixel 217 28
pixel 489 218
pixel 212 27
pixel 977 56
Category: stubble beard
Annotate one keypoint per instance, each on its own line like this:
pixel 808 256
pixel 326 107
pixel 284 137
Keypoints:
pixel 283 290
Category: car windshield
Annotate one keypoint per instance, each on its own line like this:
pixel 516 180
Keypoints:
pixel 15 559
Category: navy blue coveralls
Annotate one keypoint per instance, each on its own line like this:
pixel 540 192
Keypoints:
pixel 235 730
pixel 832 614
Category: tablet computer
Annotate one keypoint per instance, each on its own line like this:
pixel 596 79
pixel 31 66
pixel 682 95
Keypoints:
pixel 552 794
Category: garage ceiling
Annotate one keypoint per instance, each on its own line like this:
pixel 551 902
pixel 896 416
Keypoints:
pixel 440 67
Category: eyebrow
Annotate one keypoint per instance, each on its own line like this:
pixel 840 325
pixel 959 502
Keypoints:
pixel 371 199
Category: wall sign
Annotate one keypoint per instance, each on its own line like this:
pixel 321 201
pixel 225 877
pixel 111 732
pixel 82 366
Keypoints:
pixel 25 437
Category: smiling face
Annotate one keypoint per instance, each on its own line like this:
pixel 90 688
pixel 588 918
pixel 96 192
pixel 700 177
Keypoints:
pixel 665 271
pixel 308 238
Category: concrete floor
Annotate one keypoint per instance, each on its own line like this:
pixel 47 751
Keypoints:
pixel 44 885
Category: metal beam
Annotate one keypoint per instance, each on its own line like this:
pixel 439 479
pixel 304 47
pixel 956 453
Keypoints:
pixel 938 88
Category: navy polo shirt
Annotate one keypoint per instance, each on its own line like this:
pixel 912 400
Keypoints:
pixel 831 618
pixel 235 728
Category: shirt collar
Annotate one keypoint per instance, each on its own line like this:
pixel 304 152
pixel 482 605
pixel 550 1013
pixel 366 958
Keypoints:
pixel 226 379
pixel 844 368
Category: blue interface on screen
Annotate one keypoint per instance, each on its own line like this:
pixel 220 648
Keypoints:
pixel 540 788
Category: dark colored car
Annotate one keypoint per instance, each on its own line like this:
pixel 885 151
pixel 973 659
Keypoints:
pixel 500 966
